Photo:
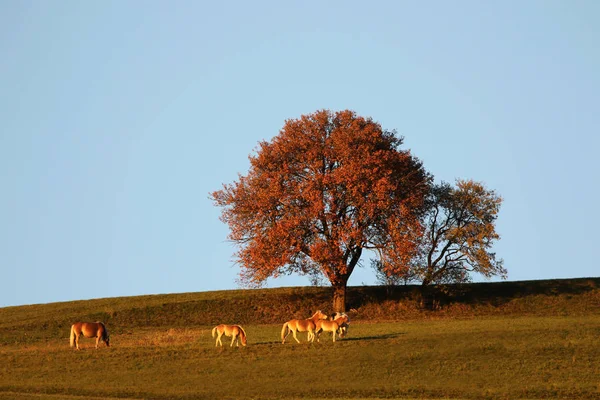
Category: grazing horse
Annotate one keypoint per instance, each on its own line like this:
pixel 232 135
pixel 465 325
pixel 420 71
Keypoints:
pixel 338 324
pixel 89 330
pixel 302 325
pixel 235 331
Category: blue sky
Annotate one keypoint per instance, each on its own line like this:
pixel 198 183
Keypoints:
pixel 118 118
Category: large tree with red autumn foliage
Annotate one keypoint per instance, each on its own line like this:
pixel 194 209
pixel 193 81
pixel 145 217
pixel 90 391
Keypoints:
pixel 329 186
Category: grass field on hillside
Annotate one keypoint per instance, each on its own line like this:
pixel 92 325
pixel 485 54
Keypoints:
pixel 503 358
pixel 509 340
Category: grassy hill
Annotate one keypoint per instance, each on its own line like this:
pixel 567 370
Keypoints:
pixel 535 339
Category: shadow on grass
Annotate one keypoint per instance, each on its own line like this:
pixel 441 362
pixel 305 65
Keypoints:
pixel 374 337
pixel 494 293
pixel 349 339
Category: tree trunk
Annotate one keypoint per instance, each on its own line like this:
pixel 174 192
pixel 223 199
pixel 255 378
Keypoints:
pixel 339 298
pixel 428 276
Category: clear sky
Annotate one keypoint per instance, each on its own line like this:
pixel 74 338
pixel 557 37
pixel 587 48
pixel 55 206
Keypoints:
pixel 117 118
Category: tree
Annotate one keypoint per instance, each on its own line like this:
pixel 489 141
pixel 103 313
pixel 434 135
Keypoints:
pixel 326 188
pixel 459 232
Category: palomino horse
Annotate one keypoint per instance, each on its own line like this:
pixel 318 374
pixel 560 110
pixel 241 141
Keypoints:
pixel 343 321
pixel 235 331
pixel 302 325
pixel 89 330
pixel 338 324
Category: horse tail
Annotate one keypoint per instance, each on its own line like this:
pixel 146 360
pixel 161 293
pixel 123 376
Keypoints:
pixel 284 331
pixel 214 332
pixel 72 339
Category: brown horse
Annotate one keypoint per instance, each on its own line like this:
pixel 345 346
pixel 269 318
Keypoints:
pixel 235 331
pixel 302 325
pixel 89 330
pixel 338 324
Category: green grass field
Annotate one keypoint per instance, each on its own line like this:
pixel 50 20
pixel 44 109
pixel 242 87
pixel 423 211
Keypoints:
pixel 501 348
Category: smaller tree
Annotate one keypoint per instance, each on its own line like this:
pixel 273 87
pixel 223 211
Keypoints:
pixel 459 231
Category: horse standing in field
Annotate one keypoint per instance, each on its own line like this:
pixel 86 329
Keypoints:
pixel 338 324
pixel 235 331
pixel 89 330
pixel 343 321
pixel 302 325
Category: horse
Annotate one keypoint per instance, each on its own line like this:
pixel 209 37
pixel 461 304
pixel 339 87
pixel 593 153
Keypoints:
pixel 343 321
pixel 337 324
pixel 235 331
pixel 89 330
pixel 302 325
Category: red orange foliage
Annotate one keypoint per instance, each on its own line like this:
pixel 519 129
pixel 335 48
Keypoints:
pixel 327 187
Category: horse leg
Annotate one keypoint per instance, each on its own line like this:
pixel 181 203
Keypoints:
pixel 285 332
pixel 77 341
pixel 286 335
pixel 219 338
pixel 233 339
pixel 97 341
pixel 294 333
pixel 333 334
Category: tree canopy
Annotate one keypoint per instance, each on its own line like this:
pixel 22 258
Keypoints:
pixel 327 187
pixel 459 231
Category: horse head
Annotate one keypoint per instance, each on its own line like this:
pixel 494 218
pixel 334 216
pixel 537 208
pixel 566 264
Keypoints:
pixel 319 315
pixel 340 317
pixel 243 335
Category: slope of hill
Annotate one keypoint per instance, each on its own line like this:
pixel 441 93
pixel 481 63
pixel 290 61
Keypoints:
pixel 510 340
pixel 268 306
